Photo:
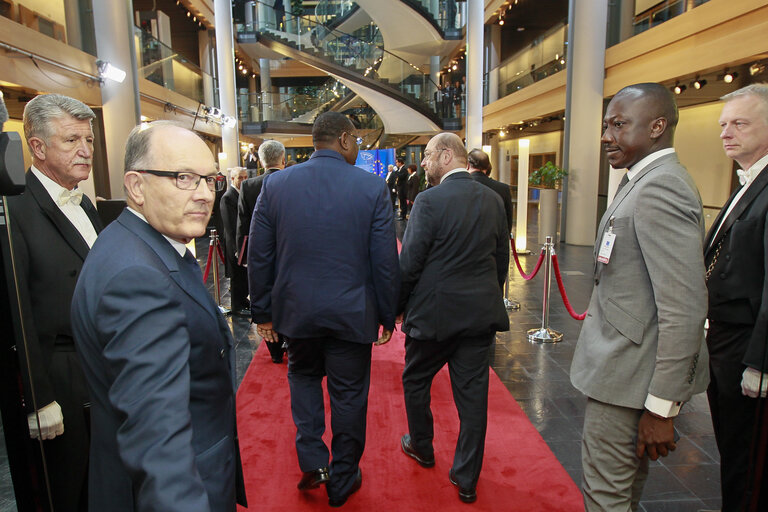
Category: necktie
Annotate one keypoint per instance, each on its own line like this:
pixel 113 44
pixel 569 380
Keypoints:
pixel 624 181
pixel 74 196
pixel 743 176
pixel 191 262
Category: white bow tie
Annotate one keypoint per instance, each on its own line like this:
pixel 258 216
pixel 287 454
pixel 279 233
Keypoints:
pixel 744 176
pixel 75 196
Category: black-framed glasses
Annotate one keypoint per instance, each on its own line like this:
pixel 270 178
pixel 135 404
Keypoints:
pixel 429 153
pixel 189 180
pixel 358 140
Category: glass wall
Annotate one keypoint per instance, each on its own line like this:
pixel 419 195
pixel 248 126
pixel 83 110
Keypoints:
pixel 68 21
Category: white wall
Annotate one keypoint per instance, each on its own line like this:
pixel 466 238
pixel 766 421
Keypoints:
pixel 51 9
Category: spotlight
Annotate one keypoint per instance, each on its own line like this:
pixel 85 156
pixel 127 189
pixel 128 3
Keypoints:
pixel 677 89
pixel 107 70
pixel 502 133
pixel 756 68
pixel 501 21
pixel 455 67
pixel 699 83
pixel 189 14
pixel 729 77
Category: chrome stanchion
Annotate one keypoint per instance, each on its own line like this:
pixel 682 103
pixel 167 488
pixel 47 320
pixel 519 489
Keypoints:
pixel 213 252
pixel 545 334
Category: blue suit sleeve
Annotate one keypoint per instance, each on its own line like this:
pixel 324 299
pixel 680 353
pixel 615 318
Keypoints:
pixel 146 351
pixel 385 269
pixel 261 259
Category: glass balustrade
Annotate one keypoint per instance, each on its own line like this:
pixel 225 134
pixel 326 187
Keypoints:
pixel 449 15
pixel 164 66
pixel 297 104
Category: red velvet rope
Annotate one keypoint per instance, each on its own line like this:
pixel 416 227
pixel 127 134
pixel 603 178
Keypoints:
pixel 221 254
pixel 562 291
pixel 517 262
pixel 208 263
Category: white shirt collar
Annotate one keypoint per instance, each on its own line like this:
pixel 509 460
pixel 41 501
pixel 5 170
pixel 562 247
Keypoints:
pixel 177 246
pixel 54 189
pixel 755 169
pixel 458 169
pixel 645 162
pixel 236 189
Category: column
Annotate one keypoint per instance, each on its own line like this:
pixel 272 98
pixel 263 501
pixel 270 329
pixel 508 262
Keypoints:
pixel 253 100
pixel 434 70
pixel 207 62
pixel 583 119
pixel 225 60
pixel 474 73
pixel 120 101
pixel 266 91
pixel 493 52
pixel 521 226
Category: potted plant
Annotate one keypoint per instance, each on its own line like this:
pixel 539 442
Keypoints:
pixel 547 178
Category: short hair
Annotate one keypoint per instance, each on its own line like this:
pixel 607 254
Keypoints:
pixel 400 160
pixel 759 91
pixel 3 112
pixel 661 99
pixel 271 153
pixel 44 108
pixel 412 167
pixel 329 126
pixel 139 144
pixel 448 140
pixel 478 159
pixel 235 171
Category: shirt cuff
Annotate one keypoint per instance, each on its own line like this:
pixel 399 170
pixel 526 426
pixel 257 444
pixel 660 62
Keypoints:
pixel 662 407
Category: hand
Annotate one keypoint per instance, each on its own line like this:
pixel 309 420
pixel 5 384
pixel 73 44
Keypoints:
pixel 386 335
pixel 753 380
pixel 656 435
pixel 266 332
pixel 51 422
pixel 399 319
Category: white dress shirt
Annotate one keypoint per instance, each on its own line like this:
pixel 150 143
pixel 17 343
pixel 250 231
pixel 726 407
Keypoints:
pixel 458 169
pixel 73 212
pixel 177 246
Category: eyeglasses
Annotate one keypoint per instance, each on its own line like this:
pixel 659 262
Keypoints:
pixel 358 140
pixel 428 153
pixel 189 180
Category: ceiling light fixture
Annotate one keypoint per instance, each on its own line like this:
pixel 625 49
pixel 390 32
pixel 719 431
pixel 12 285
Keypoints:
pixel 699 83
pixel 756 68
pixel 677 89
pixel 107 70
pixel 729 77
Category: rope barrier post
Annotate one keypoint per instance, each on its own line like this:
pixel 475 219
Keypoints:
pixel 545 334
pixel 213 252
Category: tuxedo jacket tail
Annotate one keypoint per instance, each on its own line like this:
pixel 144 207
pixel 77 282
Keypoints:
pixel 644 330
pixel 159 360
pixel 738 289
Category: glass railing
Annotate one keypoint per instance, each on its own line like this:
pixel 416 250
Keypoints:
pixel 361 52
pixel 164 66
pixel 297 104
pixel 449 15
pixel 331 12
pixel 662 12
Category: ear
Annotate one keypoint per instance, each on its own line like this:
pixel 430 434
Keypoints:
pixel 134 187
pixel 38 147
pixel 658 127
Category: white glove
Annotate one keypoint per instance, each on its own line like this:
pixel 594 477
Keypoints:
pixel 51 422
pixel 752 380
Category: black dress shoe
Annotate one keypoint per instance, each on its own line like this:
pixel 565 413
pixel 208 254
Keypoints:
pixel 466 495
pixel 339 501
pixel 409 450
pixel 313 479
pixel 242 312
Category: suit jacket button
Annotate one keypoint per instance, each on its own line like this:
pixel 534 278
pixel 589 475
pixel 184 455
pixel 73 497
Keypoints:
pixel 728 257
pixel 221 354
pixel 722 276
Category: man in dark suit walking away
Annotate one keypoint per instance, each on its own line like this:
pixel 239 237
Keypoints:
pixel 736 258
pixel 454 262
pixel 238 276
pixel 324 274
pixel 272 156
pixel 479 166
pixel 402 186
pixel 52 226
pixel 157 353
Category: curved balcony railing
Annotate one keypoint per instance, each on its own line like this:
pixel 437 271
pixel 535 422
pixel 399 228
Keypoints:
pixel 449 16
pixel 361 53
pixel 297 104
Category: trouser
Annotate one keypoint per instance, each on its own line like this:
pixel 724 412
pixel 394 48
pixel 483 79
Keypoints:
pixel 347 366
pixel 468 361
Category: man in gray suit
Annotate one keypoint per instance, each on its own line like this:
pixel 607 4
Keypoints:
pixel 641 351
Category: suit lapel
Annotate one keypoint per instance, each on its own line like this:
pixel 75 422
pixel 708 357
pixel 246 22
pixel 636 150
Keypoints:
pixel 68 231
pixel 752 192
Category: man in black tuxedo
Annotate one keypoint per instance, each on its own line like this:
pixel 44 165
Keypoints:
pixel 238 275
pixel 402 186
pixel 272 157
pixel 53 225
pixel 479 168
pixel 391 180
pixel 453 263
pixel 736 258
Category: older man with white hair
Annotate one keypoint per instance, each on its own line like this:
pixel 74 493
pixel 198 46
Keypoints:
pixel 238 276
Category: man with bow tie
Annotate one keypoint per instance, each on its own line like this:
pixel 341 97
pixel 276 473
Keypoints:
pixel 736 259
pixel 53 225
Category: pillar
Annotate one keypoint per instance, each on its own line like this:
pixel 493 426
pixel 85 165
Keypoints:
pixel 583 119
pixel 474 74
pixel 521 227
pixel 225 60
pixel 434 75
pixel 266 91
pixel 206 49
pixel 120 101
pixel 493 52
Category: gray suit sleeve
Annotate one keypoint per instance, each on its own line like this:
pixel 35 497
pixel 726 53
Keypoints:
pixel 417 242
pixel 146 348
pixel 669 232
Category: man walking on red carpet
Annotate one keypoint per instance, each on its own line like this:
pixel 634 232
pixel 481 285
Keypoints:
pixel 323 272
pixel 454 263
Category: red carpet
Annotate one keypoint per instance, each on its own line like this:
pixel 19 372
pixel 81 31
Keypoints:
pixel 520 473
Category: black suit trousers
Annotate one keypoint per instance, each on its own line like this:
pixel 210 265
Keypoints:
pixel 468 358
pixel 347 366
pixel 734 416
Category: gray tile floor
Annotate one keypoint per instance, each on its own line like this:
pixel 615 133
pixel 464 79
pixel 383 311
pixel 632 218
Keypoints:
pixel 538 378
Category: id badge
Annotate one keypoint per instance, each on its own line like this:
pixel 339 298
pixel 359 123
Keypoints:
pixel 606 246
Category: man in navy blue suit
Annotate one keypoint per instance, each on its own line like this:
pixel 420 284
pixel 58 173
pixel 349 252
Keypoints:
pixel 323 272
pixel 157 354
